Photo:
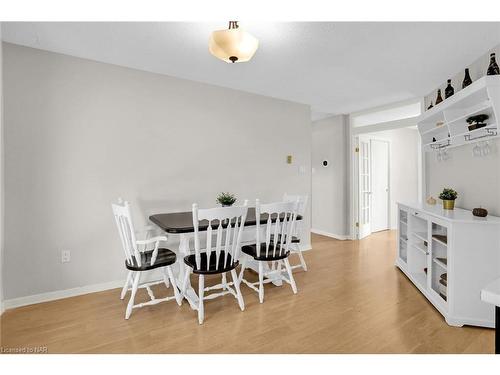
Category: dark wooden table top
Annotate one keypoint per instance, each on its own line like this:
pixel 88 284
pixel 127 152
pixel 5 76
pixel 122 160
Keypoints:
pixel 182 222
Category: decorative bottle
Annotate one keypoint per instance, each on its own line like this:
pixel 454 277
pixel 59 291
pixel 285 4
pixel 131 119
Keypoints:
pixel 467 80
pixel 493 67
pixel 439 98
pixel 449 90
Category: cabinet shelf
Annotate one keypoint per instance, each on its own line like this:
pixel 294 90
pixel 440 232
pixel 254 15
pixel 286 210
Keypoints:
pixel 440 262
pixel 440 238
pixel 485 107
pixel 472 247
pixel 421 235
pixel 473 94
pixel 423 251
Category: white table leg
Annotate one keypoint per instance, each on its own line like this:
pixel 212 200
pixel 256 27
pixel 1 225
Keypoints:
pixel 189 294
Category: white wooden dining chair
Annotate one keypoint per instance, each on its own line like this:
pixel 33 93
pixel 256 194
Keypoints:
pixel 275 253
pixel 220 257
pixel 138 260
pixel 297 234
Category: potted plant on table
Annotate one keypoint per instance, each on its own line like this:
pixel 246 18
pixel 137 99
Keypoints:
pixel 226 199
pixel 448 196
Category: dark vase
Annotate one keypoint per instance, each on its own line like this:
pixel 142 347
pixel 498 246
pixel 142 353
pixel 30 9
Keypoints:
pixel 429 107
pixel 439 98
pixel 467 80
pixel 493 67
pixel 449 90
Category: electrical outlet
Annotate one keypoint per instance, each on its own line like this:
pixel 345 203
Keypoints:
pixel 65 256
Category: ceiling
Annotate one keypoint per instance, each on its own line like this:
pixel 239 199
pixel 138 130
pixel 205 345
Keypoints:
pixel 334 67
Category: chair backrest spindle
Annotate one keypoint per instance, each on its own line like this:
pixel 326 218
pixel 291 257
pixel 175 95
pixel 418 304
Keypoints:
pixel 284 215
pixel 302 202
pixel 123 219
pixel 227 224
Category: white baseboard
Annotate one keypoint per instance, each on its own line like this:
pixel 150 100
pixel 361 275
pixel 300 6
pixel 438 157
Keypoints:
pixel 59 294
pixel 341 237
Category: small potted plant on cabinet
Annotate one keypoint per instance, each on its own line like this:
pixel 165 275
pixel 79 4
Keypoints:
pixel 448 196
pixel 226 199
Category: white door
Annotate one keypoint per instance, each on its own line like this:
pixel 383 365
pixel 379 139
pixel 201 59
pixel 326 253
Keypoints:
pixel 364 187
pixel 379 185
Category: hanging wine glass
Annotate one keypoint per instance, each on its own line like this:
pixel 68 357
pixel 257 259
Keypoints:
pixel 446 156
pixel 476 150
pixel 486 148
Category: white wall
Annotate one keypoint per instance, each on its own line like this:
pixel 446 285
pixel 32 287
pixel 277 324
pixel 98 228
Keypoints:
pixel 329 184
pixel 1 180
pixel 403 170
pixel 79 134
pixel 476 179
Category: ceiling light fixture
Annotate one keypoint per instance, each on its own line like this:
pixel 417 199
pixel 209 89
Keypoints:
pixel 233 44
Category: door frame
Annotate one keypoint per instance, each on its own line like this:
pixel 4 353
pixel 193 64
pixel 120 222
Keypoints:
pixel 364 197
pixel 389 193
pixel 354 132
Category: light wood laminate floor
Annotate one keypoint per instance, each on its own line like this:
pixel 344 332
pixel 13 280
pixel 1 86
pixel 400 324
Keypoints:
pixel 352 300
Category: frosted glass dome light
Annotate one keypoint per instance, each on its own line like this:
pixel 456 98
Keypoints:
pixel 233 44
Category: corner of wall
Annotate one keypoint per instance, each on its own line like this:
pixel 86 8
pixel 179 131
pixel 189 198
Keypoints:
pixel 1 178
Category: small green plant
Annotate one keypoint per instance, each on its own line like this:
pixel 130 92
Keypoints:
pixel 226 199
pixel 448 194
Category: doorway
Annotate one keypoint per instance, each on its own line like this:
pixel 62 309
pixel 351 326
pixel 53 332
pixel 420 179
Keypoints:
pixel 380 185
pixel 374 185
pixel 386 172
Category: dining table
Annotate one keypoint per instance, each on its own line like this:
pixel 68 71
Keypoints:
pixel 180 224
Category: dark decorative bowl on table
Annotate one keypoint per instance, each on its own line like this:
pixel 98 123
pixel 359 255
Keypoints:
pixel 480 212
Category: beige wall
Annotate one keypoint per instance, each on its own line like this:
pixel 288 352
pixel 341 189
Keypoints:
pixel 329 184
pixel 79 134
pixel 1 180
pixel 476 179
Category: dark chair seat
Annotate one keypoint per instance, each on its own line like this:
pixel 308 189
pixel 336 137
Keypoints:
pixel 294 239
pixel 210 268
pixel 252 251
pixel 164 258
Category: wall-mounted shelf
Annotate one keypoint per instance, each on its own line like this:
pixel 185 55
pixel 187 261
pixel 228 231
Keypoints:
pixel 446 123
